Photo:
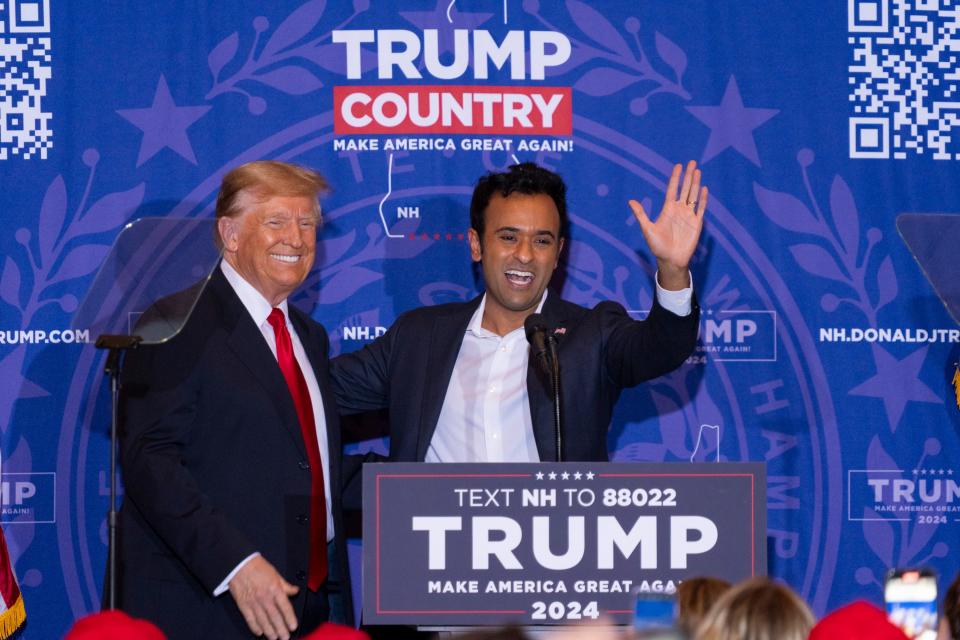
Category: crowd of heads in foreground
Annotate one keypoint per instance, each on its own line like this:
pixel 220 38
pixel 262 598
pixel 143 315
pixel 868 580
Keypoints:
pixel 706 609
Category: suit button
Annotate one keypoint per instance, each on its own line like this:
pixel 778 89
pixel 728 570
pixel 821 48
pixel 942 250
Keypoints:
pixel 302 519
pixel 304 465
pixel 301 575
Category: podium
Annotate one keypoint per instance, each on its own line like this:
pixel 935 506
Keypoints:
pixel 449 545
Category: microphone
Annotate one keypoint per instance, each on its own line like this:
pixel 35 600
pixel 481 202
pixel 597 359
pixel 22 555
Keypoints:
pixel 536 329
pixel 544 345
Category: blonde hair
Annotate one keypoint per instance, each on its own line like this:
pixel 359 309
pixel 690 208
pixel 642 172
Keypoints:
pixel 695 596
pixel 757 609
pixel 263 179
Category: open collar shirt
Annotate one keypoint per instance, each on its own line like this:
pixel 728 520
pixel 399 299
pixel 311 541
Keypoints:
pixel 486 411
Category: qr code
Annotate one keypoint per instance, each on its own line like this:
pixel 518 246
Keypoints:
pixel 905 78
pixel 25 68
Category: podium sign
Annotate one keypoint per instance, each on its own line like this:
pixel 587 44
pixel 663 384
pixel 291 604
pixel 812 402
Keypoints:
pixel 551 543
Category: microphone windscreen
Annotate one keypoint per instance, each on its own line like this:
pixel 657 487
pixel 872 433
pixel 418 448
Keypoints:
pixel 533 324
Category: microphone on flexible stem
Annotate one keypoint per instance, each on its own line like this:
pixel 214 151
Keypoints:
pixel 536 330
pixel 544 346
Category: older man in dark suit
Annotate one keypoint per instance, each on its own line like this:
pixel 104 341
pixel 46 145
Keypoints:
pixel 231 447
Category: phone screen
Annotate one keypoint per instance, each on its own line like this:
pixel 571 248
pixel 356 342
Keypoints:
pixel 911 599
pixel 654 611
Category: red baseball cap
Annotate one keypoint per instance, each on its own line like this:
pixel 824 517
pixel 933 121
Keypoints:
pixel 856 621
pixel 330 631
pixel 113 625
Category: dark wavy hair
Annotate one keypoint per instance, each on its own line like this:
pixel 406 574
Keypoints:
pixel 525 178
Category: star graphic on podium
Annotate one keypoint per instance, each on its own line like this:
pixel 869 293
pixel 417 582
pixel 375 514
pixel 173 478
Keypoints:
pixel 164 124
pixel 539 475
pixel 732 124
pixel 577 475
pixel 589 475
pixel 897 382
pixel 552 476
pixel 564 476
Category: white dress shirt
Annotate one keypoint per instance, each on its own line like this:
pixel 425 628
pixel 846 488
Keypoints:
pixel 258 308
pixel 486 412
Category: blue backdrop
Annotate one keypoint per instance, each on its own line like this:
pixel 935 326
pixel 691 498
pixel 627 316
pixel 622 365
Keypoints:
pixel 824 352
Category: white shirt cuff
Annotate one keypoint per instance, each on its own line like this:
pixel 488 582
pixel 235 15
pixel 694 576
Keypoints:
pixel 677 302
pixel 223 586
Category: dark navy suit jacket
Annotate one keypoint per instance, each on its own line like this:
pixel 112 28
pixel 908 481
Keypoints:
pixel 602 351
pixel 214 467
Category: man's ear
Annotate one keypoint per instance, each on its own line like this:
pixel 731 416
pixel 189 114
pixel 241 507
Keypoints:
pixel 229 231
pixel 559 253
pixel 476 249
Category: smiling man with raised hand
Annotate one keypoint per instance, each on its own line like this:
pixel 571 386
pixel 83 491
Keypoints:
pixel 231 446
pixel 457 378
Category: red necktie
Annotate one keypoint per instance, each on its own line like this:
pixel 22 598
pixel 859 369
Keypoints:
pixel 308 427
